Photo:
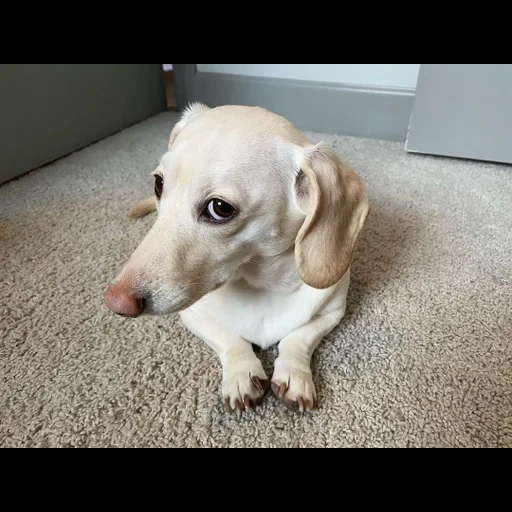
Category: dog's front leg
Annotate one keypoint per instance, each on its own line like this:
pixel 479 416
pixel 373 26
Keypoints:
pixel 244 381
pixel 292 381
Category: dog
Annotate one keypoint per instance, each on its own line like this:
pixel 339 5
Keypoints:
pixel 252 245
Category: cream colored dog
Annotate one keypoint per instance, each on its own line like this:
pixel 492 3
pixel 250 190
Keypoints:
pixel 253 244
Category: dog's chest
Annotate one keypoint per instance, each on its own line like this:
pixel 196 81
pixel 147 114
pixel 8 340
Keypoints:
pixel 263 317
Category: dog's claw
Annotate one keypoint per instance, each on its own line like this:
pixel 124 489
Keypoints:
pixel 257 382
pixel 246 399
pixel 279 391
pixel 247 404
pixel 262 385
pixel 301 404
pixel 291 405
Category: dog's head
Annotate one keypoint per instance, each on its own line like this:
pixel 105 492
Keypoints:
pixel 240 184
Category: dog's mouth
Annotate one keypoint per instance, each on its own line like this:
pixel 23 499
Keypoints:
pixel 162 307
pixel 165 300
pixel 162 302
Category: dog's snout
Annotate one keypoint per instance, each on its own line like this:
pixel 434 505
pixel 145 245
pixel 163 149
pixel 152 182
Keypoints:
pixel 123 300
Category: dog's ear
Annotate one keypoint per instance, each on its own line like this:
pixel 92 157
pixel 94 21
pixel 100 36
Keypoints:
pixel 190 112
pixel 333 199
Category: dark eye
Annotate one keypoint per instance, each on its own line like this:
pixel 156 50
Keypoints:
pixel 159 186
pixel 219 211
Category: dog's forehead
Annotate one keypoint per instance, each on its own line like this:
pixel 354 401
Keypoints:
pixel 220 154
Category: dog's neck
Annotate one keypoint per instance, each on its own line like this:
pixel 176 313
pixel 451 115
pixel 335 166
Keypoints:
pixel 277 273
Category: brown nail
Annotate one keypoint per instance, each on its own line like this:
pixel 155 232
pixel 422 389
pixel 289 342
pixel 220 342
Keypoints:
pixel 290 404
pixel 257 382
pixel 257 401
pixel 279 390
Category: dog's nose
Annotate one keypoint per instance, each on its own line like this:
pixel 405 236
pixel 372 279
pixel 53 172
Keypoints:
pixel 122 300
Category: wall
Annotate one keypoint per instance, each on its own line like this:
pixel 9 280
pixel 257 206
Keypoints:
pixel 362 100
pixel 49 110
pixel 387 75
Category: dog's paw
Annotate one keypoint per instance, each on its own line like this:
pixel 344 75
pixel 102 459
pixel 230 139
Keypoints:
pixel 142 208
pixel 293 384
pixel 243 385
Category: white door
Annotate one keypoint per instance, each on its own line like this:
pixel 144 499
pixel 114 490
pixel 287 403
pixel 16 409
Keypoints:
pixel 463 110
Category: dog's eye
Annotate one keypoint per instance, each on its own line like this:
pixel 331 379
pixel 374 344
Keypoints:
pixel 219 211
pixel 159 186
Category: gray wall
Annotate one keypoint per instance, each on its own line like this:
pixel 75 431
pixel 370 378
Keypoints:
pixel 343 108
pixel 50 110
pixel 382 75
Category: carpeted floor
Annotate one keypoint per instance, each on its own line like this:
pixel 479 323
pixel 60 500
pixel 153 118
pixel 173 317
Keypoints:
pixel 423 357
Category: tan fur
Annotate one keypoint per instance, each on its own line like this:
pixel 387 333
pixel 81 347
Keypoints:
pixel 142 208
pixel 337 211
pixel 191 112
pixel 277 271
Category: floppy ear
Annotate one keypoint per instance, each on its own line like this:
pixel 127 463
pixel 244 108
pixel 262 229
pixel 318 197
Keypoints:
pixel 336 207
pixel 190 112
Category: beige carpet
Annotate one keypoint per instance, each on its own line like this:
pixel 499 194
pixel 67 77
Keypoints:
pixel 423 357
